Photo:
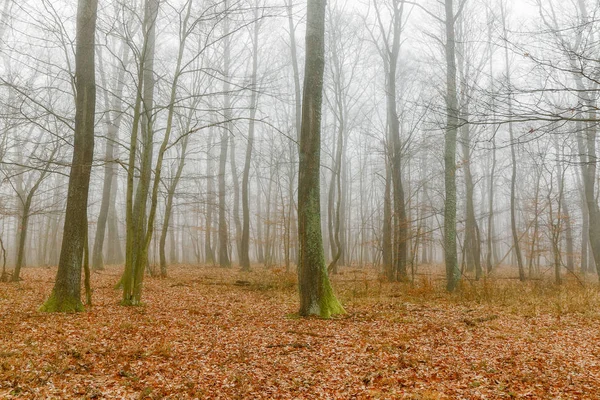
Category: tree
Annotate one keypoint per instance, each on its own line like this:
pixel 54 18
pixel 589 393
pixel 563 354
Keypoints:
pixel 513 154
pixel 136 251
pixel 245 242
pixel 26 202
pixel 316 293
pixel 452 114
pixel 395 264
pixel 66 295
pixel 224 260
pixel 113 116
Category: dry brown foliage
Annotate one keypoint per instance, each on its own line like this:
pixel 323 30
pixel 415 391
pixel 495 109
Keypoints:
pixel 211 333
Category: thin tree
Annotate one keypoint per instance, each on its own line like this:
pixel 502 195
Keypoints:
pixel 245 243
pixel 513 154
pixel 224 260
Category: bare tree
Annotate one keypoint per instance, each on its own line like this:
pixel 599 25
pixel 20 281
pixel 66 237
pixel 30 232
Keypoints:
pixel 66 295
pixel 316 293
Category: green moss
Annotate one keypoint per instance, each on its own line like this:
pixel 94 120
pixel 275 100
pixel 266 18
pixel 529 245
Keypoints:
pixel 119 284
pixel 329 304
pixel 66 304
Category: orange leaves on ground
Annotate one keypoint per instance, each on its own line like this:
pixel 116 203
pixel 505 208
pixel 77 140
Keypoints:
pixel 201 334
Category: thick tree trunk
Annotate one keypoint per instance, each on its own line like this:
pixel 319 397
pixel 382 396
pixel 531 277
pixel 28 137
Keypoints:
pixel 66 295
pixel 452 271
pixel 316 293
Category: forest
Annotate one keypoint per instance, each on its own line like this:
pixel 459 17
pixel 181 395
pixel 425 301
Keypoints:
pixel 387 199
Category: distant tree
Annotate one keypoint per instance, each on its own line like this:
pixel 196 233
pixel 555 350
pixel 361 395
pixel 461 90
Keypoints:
pixel 224 260
pixel 66 295
pixel 245 241
pixel 113 117
pixel 316 293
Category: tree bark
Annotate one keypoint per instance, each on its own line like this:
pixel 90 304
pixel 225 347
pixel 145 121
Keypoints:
pixel 136 256
pixel 513 155
pixel 450 250
pixel 224 260
pixel 245 242
pixel 66 295
pixel 316 293
pixel 112 128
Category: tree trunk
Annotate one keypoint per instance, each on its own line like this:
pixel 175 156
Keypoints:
pixel 66 295
pixel 112 127
pixel 169 204
pixel 513 154
pixel 245 243
pixel 136 254
pixel 209 255
pixel 316 293
pixel 452 271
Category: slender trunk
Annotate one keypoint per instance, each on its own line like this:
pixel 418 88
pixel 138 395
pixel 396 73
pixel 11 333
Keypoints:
pixel 386 245
pixel 585 229
pixel 169 204
pixel 245 244
pixel 210 203
pixel 224 260
pixel 112 127
pixel 513 154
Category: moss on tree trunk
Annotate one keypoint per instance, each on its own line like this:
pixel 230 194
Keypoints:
pixel 316 293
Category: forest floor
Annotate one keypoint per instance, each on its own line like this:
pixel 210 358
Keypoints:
pixel 222 334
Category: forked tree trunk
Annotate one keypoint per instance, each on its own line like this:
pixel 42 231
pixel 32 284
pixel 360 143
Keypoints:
pixel 136 256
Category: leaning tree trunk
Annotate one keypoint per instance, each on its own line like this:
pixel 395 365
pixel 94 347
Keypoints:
pixel 66 295
pixel 316 293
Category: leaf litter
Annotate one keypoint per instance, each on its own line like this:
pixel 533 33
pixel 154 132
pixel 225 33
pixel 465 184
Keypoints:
pixel 201 334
